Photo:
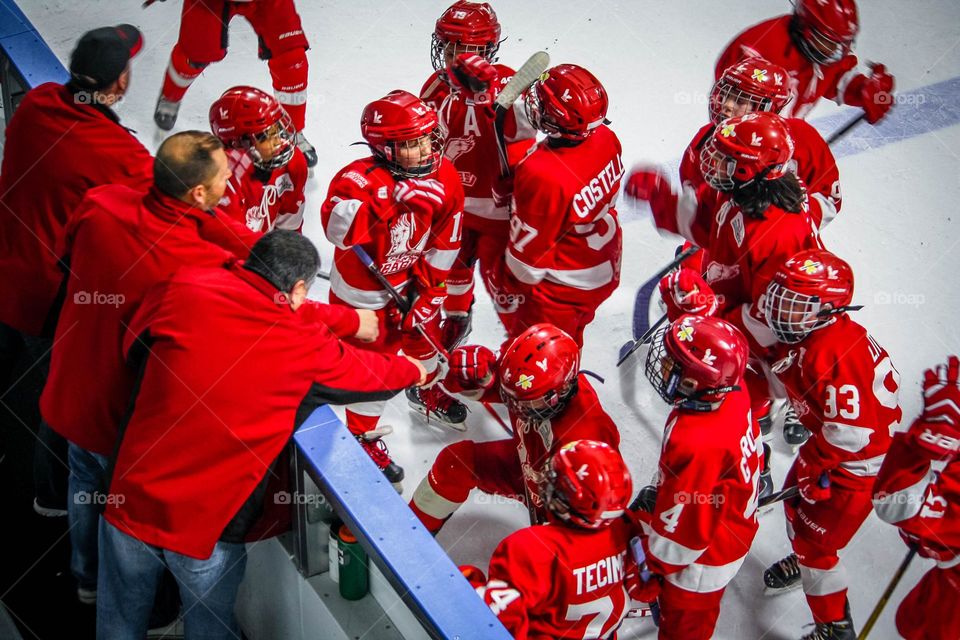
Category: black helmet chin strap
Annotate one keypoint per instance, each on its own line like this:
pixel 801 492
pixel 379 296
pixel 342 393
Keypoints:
pixel 694 402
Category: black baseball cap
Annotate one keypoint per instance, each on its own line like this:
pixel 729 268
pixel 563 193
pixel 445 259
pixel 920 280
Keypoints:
pixel 101 55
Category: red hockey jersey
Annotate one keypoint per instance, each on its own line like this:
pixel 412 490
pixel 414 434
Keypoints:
pixel 844 389
pixel 812 162
pixel 705 518
pixel 743 253
pixel 564 234
pixel 471 145
pixel 924 503
pixel 809 81
pixel 556 581
pixel 265 200
pixel 360 210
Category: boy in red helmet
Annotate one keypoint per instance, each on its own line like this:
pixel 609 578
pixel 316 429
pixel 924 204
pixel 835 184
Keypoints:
pixel 844 389
pixel 563 258
pixel 550 403
pixel 700 519
pixel 462 89
pixel 568 578
pixel 267 170
pixel 815 46
pixel 403 207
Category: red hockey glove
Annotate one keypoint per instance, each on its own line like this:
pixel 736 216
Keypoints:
pixel 420 195
pixel 685 291
pixel 641 584
pixel 648 184
pixel 813 479
pixel 937 431
pixel 424 308
pixel 475 74
pixel 874 93
pixel 473 366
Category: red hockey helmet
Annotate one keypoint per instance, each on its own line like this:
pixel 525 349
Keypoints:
pixel 244 116
pixel 538 372
pixel 825 30
pixel 696 360
pixel 805 294
pixel 396 126
pixel 741 150
pixel 465 27
pixel 567 101
pixel 753 84
pixel 587 484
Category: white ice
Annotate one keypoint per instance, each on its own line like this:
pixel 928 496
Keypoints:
pixel 656 60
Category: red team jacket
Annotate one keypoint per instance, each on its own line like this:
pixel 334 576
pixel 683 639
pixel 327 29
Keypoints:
pixel 471 146
pixel 192 453
pixel 705 515
pixel 565 239
pixel 56 148
pixel 556 581
pixel 264 200
pixel 844 389
pixel 812 162
pixel 119 243
pixel 924 503
pixel 809 81
pixel 360 210
pixel 743 253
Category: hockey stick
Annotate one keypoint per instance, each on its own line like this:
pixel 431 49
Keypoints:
pixel 842 131
pixel 656 325
pixel 521 80
pixel 894 581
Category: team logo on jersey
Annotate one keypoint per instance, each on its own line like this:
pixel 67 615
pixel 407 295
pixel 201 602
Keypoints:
pixel 810 267
pixel 404 252
pixel 525 381
pixel 736 225
pixel 456 147
pixel 717 272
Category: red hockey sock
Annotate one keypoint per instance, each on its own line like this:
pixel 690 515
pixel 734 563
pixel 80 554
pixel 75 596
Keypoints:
pixel 359 424
pixel 179 76
pixel 289 73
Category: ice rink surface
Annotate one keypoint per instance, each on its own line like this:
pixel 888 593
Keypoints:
pixel 898 227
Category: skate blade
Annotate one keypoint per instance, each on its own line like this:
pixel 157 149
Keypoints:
pixel 771 592
pixel 433 418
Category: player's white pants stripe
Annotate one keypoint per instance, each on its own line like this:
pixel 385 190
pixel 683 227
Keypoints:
pixel 864 468
pixel 585 279
pixel 459 289
pixel 823 582
pixel 360 298
pixel 341 219
pixel 291 97
pixel 442 259
pixel 903 504
pixel 669 551
pixel 485 208
pixel 702 578
pixel 181 81
pixel 432 503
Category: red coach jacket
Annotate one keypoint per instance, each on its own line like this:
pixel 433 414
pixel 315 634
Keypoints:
pixel 228 368
pixel 57 148
pixel 119 243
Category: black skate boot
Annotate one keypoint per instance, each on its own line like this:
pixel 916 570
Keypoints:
pixel 308 150
pixel 435 403
pixel 839 630
pixel 782 576
pixel 766 477
pixel 794 433
pixel 376 448
pixel 455 329
pixel 165 114
pixel 646 499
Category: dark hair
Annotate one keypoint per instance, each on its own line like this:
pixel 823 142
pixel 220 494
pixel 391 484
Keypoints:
pixel 787 192
pixel 284 258
pixel 185 160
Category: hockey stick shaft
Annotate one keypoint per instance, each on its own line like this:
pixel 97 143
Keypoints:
pixel 521 80
pixel 842 131
pixel 686 253
pixel 877 610
pixel 402 303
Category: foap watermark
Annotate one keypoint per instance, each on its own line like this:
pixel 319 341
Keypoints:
pixel 98 498
pixel 691 97
pixel 479 497
pixel 308 499
pixel 905 99
pixel 698 497
pixel 97 297
pixel 97 98
pixel 899 298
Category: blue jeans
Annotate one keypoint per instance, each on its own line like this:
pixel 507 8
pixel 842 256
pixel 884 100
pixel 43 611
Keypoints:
pixel 85 488
pixel 128 577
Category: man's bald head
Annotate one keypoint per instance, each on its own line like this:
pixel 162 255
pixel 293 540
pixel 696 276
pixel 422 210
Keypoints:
pixel 190 161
